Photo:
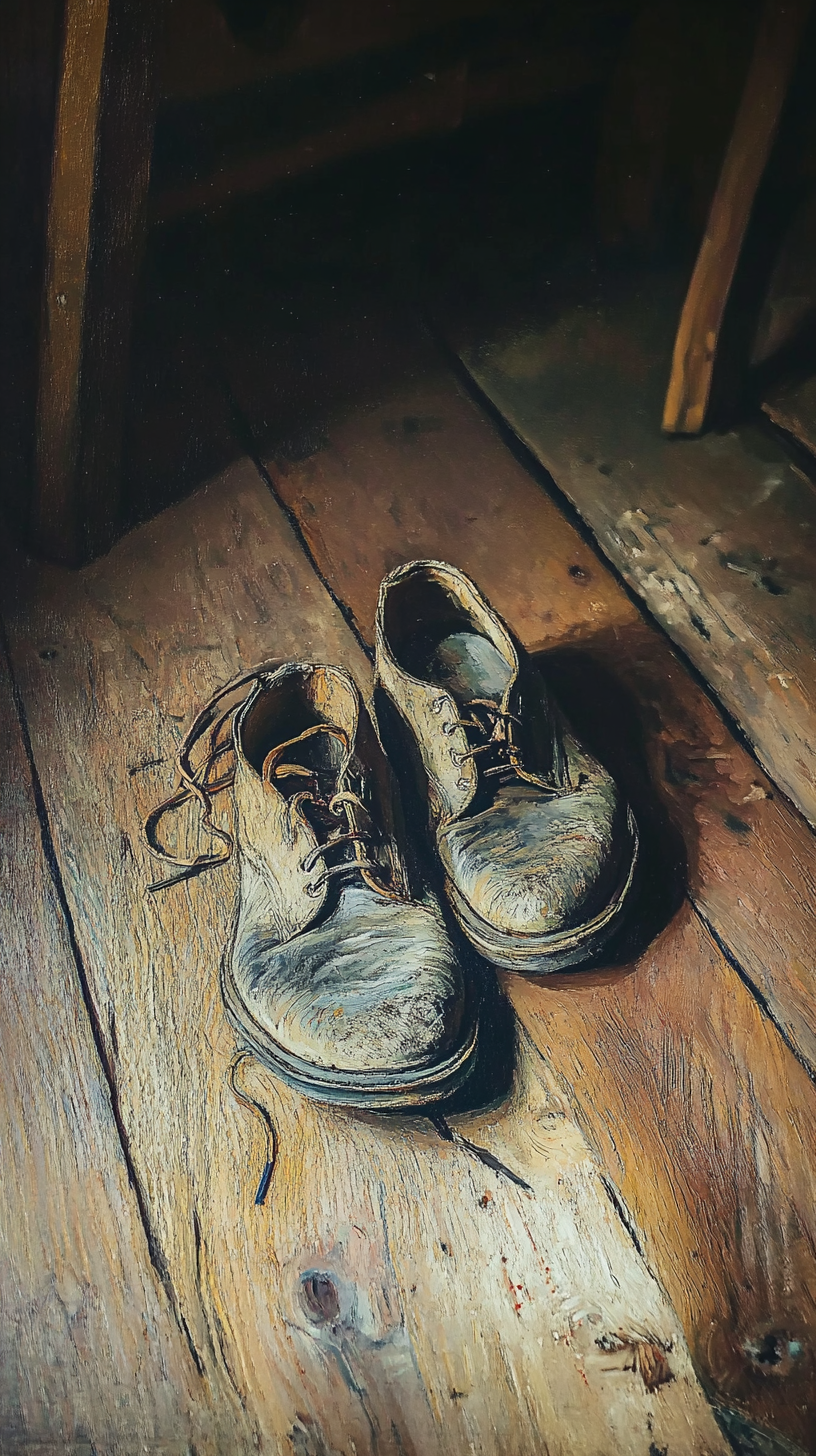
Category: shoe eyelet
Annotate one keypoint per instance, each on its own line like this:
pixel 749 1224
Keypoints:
pixel 313 891
pixel 463 783
pixel 437 705
pixel 456 758
pixel 448 728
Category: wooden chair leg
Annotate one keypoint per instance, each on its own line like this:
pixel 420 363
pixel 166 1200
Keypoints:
pixel 695 348
pixel 96 213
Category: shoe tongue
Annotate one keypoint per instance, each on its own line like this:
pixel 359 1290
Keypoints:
pixel 322 753
pixel 469 666
pixel 313 761
pixel 325 754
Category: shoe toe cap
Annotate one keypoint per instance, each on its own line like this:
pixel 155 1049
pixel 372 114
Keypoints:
pixel 375 988
pixel 538 866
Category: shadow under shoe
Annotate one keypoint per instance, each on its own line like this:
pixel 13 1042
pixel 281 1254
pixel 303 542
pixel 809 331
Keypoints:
pixel 615 725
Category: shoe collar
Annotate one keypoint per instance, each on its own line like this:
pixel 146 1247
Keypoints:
pixel 433 709
pixel 456 585
pixel 329 691
pixel 452 772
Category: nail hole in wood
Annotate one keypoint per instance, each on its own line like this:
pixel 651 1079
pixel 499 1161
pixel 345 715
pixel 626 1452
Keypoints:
pixel 320 1297
pixel 774 1351
pixel 699 626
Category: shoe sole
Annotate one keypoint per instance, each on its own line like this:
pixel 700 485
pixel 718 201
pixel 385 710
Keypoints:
pixel 371 1090
pixel 544 954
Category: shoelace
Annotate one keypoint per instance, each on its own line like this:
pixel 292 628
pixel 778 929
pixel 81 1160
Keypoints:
pixel 496 725
pixel 202 784
pixel 257 1108
pixel 197 783
pixel 344 805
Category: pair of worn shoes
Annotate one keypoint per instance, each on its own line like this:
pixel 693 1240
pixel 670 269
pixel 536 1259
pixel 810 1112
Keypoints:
pixel 340 972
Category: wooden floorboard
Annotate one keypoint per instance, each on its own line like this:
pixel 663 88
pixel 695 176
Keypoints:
pixel 716 534
pixel 393 1295
pixel 718 1141
pixel 92 1355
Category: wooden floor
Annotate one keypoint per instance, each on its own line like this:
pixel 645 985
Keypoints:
pixel 392 1295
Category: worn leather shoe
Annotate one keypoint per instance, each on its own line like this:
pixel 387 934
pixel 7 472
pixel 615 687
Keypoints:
pixel 537 847
pixel 339 973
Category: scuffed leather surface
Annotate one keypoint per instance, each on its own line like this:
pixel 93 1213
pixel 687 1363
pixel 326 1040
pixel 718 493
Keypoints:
pixel 375 984
pixel 272 841
pixel 415 701
pixel 429 707
pixel 534 865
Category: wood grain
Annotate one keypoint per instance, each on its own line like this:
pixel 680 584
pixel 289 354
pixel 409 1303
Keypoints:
pixel 706 1123
pixel 91 1350
pixel 415 470
pixel 419 472
pixel 780 30
pixel 392 1295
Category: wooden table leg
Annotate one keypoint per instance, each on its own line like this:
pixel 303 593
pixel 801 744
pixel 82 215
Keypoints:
pixel 96 209
pixel 695 349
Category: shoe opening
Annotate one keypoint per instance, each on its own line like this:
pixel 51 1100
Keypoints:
pixel 438 629
pixel 305 698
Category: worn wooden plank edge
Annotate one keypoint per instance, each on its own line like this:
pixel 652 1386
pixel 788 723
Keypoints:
pixel 773 957
pixel 625 1089
pixel 692 624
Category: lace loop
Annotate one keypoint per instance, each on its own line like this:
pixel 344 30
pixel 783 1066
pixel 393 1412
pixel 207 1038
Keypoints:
pixel 347 806
pixel 312 857
pixel 196 784
pixel 201 784
pixel 355 864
